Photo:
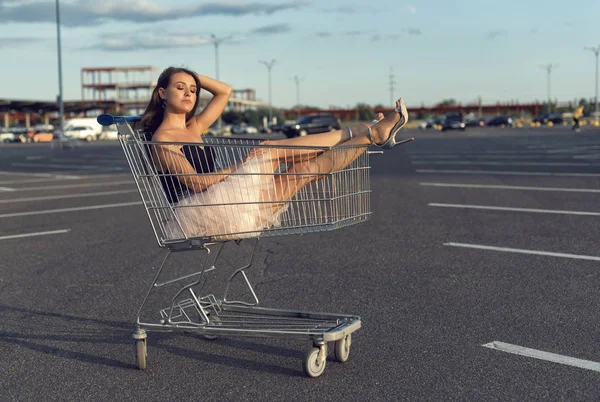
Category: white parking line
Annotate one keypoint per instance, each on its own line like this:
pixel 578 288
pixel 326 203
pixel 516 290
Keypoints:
pixel 563 147
pixel 61 159
pixel 506 172
pixel 113 157
pixel 54 166
pixel 6 189
pixel 492 163
pixel 586 156
pixel 499 187
pixel 523 251
pixel 534 210
pixel 60 197
pixel 84 161
pixel 479 152
pixel 507 156
pixel 541 355
pixel 56 211
pixel 61 166
pixel 62 176
pixel 35 234
pixel 583 148
pixel 63 186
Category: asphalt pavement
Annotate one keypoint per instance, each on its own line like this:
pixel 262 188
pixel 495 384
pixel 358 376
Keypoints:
pixel 477 278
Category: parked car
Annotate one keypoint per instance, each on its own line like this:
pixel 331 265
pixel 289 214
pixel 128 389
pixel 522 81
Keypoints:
pixel 555 118
pixel 42 135
pixel 501 121
pixel 20 133
pixel 87 133
pixel 476 122
pixel 425 124
pixel 539 119
pixel 438 121
pixel 271 128
pixel 90 122
pixel 312 124
pixel 7 136
pixel 453 121
pixel 243 129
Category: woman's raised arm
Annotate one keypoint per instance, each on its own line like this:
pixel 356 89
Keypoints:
pixel 221 93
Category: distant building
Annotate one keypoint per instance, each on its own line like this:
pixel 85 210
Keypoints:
pixel 130 88
pixel 126 87
pixel 108 89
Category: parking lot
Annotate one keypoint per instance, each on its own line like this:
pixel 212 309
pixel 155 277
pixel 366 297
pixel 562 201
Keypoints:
pixel 477 278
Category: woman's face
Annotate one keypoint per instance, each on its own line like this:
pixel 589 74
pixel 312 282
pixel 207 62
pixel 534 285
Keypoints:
pixel 180 95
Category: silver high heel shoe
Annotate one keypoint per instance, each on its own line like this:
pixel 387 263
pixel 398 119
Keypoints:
pixel 391 141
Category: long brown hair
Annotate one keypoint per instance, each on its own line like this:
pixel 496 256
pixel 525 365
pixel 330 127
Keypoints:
pixel 154 113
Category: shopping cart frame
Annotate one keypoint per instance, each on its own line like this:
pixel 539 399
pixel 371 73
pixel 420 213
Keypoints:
pixel 215 317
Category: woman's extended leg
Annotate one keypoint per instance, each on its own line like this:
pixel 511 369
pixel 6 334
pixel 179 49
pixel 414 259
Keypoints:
pixel 328 139
pixel 307 170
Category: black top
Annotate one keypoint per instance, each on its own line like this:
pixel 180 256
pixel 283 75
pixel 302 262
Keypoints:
pixel 202 160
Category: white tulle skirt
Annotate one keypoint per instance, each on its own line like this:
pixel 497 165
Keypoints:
pixel 235 208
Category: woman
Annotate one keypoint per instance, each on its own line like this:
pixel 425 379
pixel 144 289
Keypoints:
pixel 253 198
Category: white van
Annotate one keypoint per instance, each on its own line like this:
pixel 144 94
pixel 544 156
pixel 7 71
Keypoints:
pixel 87 129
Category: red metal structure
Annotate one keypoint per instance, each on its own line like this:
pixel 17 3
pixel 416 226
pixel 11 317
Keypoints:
pixel 479 109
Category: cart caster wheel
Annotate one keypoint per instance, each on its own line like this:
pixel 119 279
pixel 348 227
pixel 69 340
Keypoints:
pixel 215 321
pixel 312 366
pixel 342 348
pixel 141 352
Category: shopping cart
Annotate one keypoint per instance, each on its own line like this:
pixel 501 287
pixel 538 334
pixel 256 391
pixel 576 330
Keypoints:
pixel 328 201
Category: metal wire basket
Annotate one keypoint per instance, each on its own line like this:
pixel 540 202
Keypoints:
pixel 327 200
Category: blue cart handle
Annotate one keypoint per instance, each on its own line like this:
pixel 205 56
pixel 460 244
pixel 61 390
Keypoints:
pixel 109 119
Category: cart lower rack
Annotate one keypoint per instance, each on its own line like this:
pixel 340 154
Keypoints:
pixel 239 190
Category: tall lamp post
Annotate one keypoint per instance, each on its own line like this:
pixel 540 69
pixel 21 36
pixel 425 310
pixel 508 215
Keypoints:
pixel 548 68
pixel 61 109
pixel 269 66
pixel 217 41
pixel 596 51
pixel 297 81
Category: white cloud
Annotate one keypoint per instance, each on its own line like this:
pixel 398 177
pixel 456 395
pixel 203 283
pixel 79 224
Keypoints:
pixel 412 9
pixel 13 42
pixel 143 40
pixel 89 13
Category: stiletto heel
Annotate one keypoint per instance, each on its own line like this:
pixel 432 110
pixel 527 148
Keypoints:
pixel 391 141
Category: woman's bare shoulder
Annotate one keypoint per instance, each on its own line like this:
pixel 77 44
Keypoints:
pixel 165 136
pixel 162 136
pixel 168 138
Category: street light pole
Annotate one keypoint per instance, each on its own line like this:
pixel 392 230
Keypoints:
pixel 269 67
pixel 548 68
pixel 297 81
pixel 217 41
pixel 596 51
pixel 60 85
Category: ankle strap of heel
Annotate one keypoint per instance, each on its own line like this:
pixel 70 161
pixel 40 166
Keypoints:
pixel 371 135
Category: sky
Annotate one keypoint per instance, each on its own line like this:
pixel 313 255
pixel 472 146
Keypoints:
pixel 342 51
